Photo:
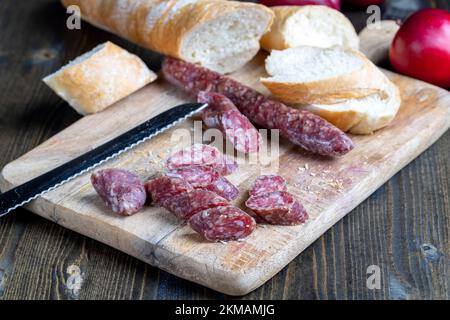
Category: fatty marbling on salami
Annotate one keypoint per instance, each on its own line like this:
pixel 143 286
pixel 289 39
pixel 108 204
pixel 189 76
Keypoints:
pixel 224 188
pixel 122 191
pixel 270 202
pixel 164 187
pixel 223 223
pixel 186 204
pixel 278 207
pixel 300 127
pixel 222 114
pixel 268 183
pixel 201 156
pixel 196 176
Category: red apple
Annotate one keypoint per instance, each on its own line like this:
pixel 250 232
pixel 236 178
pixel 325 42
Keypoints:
pixel 335 4
pixel 421 48
pixel 364 3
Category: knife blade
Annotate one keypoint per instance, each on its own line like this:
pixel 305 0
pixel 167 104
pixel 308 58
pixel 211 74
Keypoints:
pixel 37 187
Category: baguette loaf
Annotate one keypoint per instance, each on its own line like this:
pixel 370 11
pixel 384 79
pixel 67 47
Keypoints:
pixel 99 78
pixel 220 35
pixel 305 75
pixel 311 25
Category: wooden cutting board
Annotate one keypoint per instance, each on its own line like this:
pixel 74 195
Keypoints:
pixel 328 188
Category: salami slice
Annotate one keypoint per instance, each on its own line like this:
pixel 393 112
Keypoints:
pixel 222 114
pixel 121 191
pixel 300 127
pixel 223 224
pixel 202 157
pixel 165 187
pixel 196 155
pixel 196 176
pixel 186 204
pixel 279 207
pixel 268 183
pixel 229 166
pixel 224 188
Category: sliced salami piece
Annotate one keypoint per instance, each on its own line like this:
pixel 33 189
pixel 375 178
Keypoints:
pixel 196 155
pixel 268 183
pixel 165 187
pixel 122 191
pixel 229 166
pixel 201 155
pixel 279 208
pixel 300 127
pixel 224 188
pixel 186 204
pixel 222 114
pixel 196 176
pixel 223 224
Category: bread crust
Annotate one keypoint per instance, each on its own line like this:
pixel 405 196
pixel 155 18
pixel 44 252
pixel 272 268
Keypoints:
pixel 275 39
pixel 105 77
pixel 358 121
pixel 175 21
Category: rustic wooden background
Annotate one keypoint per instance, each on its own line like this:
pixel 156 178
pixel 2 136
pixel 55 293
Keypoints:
pixel 403 227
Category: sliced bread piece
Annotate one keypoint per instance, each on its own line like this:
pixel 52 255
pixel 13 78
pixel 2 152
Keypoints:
pixel 306 75
pixel 311 25
pixel 99 78
pixel 364 115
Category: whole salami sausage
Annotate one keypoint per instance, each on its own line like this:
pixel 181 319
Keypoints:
pixel 300 127
pixel 222 114
pixel 186 204
pixel 279 208
pixel 223 224
pixel 121 191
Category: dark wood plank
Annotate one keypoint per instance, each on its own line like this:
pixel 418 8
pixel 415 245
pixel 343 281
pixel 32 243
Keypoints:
pixel 403 228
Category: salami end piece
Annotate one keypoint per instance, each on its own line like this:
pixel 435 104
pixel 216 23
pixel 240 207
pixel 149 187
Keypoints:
pixel 224 188
pixel 165 187
pixel 222 114
pixel 268 183
pixel 279 208
pixel 223 224
pixel 186 204
pixel 122 191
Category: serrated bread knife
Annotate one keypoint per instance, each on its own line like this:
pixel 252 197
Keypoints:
pixel 29 191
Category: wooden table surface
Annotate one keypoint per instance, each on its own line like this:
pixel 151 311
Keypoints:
pixel 403 228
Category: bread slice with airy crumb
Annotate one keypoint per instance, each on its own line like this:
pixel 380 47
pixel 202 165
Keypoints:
pixel 305 75
pixel 219 35
pixel 310 25
pixel 99 78
pixel 364 115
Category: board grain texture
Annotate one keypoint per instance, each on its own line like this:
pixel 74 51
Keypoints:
pixel 403 227
pixel 329 188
